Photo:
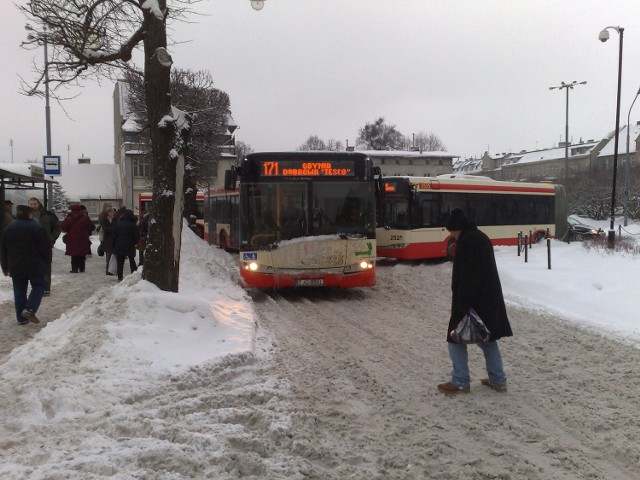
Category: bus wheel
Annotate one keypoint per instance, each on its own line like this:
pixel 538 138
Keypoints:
pixel 223 240
pixel 539 237
pixel 451 249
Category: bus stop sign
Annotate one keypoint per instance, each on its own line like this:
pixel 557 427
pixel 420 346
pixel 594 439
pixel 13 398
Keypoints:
pixel 52 165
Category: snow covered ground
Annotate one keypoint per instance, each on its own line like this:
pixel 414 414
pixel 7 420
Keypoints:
pixel 94 393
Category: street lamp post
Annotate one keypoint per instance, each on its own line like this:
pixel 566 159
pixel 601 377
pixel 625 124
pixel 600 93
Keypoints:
pixel 567 87
pixel 48 192
pixel 626 165
pixel 603 37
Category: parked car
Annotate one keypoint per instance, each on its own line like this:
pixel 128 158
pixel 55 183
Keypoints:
pixel 577 230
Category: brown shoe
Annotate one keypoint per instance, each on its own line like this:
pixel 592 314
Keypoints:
pixel 493 386
pixel 451 389
pixel 29 315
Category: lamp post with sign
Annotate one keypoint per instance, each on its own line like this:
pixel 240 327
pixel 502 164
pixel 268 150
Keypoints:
pixel 48 188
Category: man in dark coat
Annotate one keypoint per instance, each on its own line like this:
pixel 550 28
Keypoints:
pixel 24 252
pixel 475 284
pixel 125 239
pixel 49 221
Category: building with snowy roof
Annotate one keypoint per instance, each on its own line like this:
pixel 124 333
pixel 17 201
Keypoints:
pixel 411 163
pixel 606 154
pixel 95 186
pixel 548 164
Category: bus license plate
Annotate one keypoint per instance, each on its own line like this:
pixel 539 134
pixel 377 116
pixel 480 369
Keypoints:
pixel 309 282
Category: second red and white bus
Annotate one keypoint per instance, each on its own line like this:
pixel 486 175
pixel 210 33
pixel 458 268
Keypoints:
pixel 412 212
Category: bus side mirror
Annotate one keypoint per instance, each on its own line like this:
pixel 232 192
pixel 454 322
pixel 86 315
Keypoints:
pixel 230 179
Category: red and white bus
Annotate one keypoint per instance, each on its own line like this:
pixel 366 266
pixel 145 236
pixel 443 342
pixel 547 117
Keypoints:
pixel 307 219
pixel 222 218
pixel 412 212
pixel 145 201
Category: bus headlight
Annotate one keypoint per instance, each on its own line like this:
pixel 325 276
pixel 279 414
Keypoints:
pixel 253 266
pixel 358 267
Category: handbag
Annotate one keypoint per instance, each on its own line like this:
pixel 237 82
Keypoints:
pixel 100 250
pixel 64 238
pixel 141 245
pixel 471 329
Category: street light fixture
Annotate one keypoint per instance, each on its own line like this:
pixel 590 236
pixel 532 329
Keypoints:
pixel 626 165
pixel 257 4
pixel 567 87
pixel 603 37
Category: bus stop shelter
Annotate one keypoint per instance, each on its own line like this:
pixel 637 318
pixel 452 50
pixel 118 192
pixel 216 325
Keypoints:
pixel 22 176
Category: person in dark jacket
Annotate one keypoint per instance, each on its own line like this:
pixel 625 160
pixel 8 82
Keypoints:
pixel 107 232
pixel 24 253
pixel 8 213
pixel 125 238
pixel 193 226
pixel 143 228
pixel 77 226
pixel 49 221
pixel 475 284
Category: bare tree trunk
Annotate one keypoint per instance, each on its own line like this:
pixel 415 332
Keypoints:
pixel 162 254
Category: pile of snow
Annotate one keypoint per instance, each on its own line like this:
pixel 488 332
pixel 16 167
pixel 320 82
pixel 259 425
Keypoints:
pixel 99 359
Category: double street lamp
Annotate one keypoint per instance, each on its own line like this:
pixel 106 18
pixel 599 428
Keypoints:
pixel 567 87
pixel 603 37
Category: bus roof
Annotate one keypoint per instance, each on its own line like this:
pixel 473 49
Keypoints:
pixel 474 183
pixel 311 153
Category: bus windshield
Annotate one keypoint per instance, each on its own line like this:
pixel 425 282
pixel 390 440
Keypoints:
pixel 277 211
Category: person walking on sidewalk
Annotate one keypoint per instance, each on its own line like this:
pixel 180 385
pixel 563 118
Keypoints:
pixel 24 253
pixel 475 284
pixel 107 234
pixel 143 230
pixel 8 213
pixel 49 221
pixel 125 239
pixel 77 225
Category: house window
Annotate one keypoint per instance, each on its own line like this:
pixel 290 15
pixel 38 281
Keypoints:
pixel 93 208
pixel 141 167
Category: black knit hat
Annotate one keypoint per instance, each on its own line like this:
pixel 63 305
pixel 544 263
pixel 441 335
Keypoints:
pixel 457 220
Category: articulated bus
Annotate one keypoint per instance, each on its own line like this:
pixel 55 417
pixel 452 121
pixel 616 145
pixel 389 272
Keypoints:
pixel 413 211
pixel 222 218
pixel 307 219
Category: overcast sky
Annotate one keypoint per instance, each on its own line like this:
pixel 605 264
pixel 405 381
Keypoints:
pixel 475 73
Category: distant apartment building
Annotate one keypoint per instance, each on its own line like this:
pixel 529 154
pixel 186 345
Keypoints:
pixel 549 164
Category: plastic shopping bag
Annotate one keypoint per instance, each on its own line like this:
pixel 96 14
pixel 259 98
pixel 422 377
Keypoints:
pixel 113 265
pixel 471 329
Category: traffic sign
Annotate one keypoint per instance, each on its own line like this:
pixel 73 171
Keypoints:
pixel 52 165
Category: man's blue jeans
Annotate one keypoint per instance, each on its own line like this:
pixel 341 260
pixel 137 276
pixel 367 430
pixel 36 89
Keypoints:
pixel 20 286
pixel 460 360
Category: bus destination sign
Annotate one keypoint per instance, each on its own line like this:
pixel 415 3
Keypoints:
pixel 298 168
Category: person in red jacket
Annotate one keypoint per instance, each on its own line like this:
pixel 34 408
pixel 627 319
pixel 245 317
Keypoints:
pixel 77 226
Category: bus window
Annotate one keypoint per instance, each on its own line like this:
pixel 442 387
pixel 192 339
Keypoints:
pixel 342 207
pixel 292 217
